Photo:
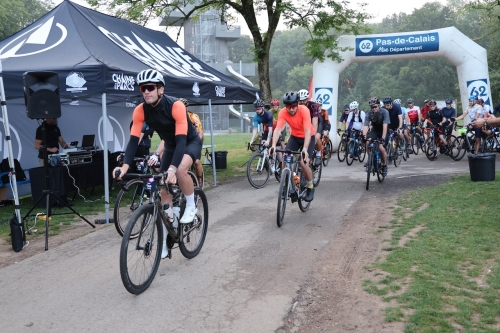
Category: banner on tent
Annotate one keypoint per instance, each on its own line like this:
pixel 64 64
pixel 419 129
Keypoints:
pixel 480 89
pixel 416 43
pixel 325 96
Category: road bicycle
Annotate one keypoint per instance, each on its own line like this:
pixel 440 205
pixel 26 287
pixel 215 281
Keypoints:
pixel 416 139
pixel 140 255
pixel 396 149
pixel 341 151
pixel 434 143
pixel 135 193
pixel 356 149
pixel 463 143
pixel 293 184
pixel 260 166
pixel 326 149
pixel 374 164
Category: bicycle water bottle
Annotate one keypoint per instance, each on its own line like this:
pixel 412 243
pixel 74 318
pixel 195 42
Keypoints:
pixel 296 178
pixel 150 184
pixel 377 157
pixel 176 211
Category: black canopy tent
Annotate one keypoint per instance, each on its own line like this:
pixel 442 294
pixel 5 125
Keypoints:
pixel 97 58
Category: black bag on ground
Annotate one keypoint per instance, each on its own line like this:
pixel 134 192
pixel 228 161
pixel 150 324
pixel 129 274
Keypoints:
pixel 17 234
pixel 5 167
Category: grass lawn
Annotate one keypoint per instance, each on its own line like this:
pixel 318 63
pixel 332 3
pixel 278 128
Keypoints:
pixel 445 277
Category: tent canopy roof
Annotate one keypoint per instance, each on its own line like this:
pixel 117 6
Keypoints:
pixel 94 53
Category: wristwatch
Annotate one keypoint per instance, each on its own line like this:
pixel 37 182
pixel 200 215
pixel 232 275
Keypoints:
pixel 485 122
pixel 157 153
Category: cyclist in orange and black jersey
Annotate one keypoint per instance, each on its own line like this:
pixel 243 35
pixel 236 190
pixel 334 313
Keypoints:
pixel 301 134
pixel 168 117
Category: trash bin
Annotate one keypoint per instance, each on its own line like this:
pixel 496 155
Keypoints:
pixel 221 159
pixel 482 167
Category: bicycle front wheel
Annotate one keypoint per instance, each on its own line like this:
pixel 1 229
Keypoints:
pixel 431 151
pixel 398 155
pixel 193 234
pixel 282 196
pixel 341 150
pixel 458 148
pixel 327 152
pixel 258 171
pixel 415 144
pixel 127 202
pixel 140 256
pixel 316 170
pixel 349 156
pixel 369 169
pixel 361 151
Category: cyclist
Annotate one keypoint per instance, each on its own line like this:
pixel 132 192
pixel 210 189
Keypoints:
pixel 414 115
pixel 314 109
pixel 275 105
pixel 343 118
pixel 435 117
pixel 301 134
pixel 379 119
pixel 265 118
pixel 406 122
pixel 448 112
pixel 356 117
pixel 475 112
pixel 327 126
pixel 168 117
pixel 395 115
pixel 424 110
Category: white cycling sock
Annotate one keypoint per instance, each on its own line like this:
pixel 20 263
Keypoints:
pixel 165 232
pixel 190 200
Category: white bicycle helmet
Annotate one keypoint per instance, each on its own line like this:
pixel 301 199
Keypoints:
pixel 150 76
pixel 354 105
pixel 303 94
pixel 397 101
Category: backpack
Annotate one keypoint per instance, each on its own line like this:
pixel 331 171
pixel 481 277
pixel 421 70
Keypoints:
pixel 5 167
pixel 360 120
pixel 413 115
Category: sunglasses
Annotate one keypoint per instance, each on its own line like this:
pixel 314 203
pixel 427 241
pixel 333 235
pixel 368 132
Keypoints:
pixel 291 106
pixel 147 87
pixel 374 106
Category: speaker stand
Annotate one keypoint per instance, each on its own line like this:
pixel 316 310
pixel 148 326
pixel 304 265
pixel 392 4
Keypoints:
pixel 47 193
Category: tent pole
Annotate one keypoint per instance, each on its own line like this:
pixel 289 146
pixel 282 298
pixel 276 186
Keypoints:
pixel 105 153
pixel 212 141
pixel 13 180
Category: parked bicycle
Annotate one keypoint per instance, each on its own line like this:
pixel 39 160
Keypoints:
pixel 356 149
pixel 140 255
pixel 260 166
pixel 374 164
pixel 293 184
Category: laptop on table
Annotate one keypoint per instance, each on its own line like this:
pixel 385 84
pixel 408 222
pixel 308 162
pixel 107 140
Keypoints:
pixel 88 142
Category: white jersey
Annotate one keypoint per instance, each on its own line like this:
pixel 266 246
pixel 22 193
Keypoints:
pixel 474 110
pixel 411 114
pixel 358 121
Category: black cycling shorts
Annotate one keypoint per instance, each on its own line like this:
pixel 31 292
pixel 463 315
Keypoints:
pixel 193 149
pixel 294 143
pixel 377 136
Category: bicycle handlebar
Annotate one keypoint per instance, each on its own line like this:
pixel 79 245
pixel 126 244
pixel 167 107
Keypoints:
pixel 130 176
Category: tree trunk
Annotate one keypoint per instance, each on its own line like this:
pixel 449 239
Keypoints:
pixel 264 82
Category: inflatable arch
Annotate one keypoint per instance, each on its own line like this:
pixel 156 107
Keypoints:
pixel 469 58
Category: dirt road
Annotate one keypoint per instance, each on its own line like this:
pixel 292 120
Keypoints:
pixel 250 275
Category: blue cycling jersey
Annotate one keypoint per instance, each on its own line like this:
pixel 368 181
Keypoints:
pixel 266 118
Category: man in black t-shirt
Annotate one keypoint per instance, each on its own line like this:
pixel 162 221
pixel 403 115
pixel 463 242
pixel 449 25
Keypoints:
pixel 53 136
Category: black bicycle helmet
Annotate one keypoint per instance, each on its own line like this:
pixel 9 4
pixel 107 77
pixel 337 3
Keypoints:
pixel 346 107
pixel 184 101
pixel 449 101
pixel 291 97
pixel 258 103
pixel 410 100
pixel 387 100
pixel 373 101
pixel 432 102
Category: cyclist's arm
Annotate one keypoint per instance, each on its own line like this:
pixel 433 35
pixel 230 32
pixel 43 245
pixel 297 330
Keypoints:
pixel 400 118
pixel 307 139
pixel 315 123
pixel 135 133
pixel 181 131
pixel 384 130
pixel 270 121
pixel 277 131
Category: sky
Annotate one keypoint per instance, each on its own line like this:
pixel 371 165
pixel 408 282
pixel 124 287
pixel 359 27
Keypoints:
pixel 377 8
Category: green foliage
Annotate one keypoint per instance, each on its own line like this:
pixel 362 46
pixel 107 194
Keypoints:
pixel 17 14
pixel 241 49
pixel 443 263
pixel 299 77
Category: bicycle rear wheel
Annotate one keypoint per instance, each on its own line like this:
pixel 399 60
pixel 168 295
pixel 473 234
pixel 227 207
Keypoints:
pixel 283 196
pixel 140 257
pixel 327 152
pixel 398 154
pixel 349 156
pixel 369 169
pixel 341 150
pixel 193 234
pixel 258 171
pixel 127 202
pixel 380 177
pixel 316 171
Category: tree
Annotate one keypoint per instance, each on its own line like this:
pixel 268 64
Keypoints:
pixel 321 18
pixel 17 14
